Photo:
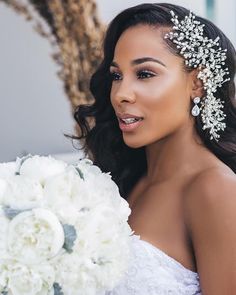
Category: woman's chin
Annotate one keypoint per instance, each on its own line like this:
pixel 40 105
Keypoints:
pixel 133 144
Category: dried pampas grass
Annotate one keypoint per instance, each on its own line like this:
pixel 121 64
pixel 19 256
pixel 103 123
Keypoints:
pixel 75 32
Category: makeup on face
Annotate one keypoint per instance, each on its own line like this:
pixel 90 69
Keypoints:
pixel 149 87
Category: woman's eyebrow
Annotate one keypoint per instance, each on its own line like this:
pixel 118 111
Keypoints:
pixel 140 61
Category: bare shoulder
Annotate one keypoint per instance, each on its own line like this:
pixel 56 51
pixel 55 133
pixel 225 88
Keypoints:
pixel 211 185
pixel 210 215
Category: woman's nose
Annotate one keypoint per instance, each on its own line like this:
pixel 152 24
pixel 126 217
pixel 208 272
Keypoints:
pixel 124 93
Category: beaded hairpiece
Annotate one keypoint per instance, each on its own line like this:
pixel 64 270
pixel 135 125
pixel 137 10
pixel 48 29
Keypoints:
pixel 206 54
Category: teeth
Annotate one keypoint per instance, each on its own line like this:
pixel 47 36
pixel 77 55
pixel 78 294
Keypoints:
pixel 130 120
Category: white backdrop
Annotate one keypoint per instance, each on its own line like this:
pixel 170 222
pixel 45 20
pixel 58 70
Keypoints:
pixel 225 17
pixel 34 110
pixel 108 9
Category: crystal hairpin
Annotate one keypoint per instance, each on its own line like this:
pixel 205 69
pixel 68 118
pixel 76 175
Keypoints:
pixel 206 54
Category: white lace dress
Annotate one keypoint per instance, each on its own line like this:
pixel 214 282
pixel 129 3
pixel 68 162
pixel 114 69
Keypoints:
pixel 153 272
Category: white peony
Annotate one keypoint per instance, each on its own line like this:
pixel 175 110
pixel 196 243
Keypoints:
pixel 70 196
pixel 108 191
pixel 87 168
pixel 39 236
pixel 7 170
pixel 3 275
pixel 4 223
pixel 40 168
pixel 73 275
pixel 22 193
pixel 3 185
pixel 64 228
pixel 27 280
pixel 104 223
pixel 100 258
pixel 66 193
pixel 104 237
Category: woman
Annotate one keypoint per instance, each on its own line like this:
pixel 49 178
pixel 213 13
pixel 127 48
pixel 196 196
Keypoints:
pixel 173 160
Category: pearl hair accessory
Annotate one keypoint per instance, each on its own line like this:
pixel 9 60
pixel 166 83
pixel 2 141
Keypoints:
pixel 206 54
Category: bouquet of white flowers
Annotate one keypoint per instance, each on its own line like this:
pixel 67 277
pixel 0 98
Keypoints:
pixel 63 228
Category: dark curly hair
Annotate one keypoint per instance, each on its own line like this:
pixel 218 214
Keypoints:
pixel 104 139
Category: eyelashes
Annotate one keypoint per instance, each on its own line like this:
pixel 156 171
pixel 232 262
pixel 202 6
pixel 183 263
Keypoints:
pixel 143 74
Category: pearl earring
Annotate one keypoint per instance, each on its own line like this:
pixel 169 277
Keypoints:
pixel 196 110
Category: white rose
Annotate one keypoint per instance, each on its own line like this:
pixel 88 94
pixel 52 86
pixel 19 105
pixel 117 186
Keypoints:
pixel 29 280
pixel 35 236
pixel 40 168
pixel 8 169
pixel 22 193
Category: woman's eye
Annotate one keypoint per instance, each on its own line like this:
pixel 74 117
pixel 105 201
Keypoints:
pixel 145 74
pixel 114 76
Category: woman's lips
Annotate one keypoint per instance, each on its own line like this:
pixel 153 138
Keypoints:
pixel 129 127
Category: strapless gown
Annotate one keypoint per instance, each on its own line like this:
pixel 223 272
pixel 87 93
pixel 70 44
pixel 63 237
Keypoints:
pixel 153 272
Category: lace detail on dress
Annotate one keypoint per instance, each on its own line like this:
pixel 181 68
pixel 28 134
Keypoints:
pixel 153 272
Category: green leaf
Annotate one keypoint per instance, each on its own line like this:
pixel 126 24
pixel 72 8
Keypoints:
pixel 80 172
pixel 22 160
pixel 10 213
pixel 70 237
pixel 57 289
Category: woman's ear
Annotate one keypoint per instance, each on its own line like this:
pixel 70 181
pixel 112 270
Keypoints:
pixel 197 88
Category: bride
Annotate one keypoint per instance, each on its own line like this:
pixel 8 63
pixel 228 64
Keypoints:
pixel 165 126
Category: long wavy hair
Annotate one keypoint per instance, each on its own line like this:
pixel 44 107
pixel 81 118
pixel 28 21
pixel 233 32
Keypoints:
pixel 103 140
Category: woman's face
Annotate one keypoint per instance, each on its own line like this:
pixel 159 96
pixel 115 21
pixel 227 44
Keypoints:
pixel 158 90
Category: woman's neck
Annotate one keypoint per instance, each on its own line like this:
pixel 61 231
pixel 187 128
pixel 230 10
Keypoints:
pixel 179 153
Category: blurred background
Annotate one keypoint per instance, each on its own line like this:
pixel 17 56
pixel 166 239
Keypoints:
pixel 35 109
